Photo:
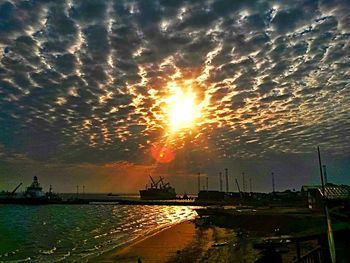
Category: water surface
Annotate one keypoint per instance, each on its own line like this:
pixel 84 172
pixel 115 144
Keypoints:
pixel 72 233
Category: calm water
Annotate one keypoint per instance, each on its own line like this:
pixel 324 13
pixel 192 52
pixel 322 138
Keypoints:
pixel 71 233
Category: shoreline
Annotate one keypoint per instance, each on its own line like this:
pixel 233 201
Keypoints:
pixel 182 243
pixel 224 235
pixel 160 246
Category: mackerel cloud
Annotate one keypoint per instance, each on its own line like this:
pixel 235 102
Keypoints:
pixel 85 80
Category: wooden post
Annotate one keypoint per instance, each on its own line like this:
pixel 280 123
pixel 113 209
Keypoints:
pixel 298 251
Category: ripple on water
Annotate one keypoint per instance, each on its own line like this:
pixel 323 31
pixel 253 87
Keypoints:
pixel 48 252
pixel 74 232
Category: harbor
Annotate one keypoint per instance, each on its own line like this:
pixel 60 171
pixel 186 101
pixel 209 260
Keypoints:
pixel 202 233
pixel 174 131
pixel 288 225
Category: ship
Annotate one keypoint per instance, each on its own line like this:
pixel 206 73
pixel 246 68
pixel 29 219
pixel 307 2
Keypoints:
pixel 158 190
pixel 32 195
pixel 34 190
pixel 7 194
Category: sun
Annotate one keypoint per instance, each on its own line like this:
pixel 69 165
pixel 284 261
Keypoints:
pixel 182 109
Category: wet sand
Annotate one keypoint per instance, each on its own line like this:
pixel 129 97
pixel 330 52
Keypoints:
pixel 163 246
pixel 217 245
pixel 184 243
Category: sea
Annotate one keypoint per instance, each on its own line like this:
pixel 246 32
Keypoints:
pixel 75 233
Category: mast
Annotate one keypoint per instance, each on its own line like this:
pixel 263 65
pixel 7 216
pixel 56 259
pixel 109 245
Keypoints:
pixel 153 183
pixel 160 182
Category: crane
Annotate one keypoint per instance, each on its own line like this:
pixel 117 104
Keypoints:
pixel 14 190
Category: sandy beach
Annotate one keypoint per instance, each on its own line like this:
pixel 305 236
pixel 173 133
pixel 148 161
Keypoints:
pixel 183 243
pixel 162 246
pixel 225 241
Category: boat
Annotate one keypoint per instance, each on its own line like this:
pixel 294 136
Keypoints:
pixel 7 194
pixel 32 195
pixel 34 190
pixel 158 190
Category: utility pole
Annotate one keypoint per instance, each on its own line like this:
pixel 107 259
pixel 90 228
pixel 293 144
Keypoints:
pixel 226 174
pixel 207 183
pixel 250 185
pixel 330 237
pixel 325 174
pixel 239 190
pixel 243 182
pixel 199 182
pixel 273 182
pixel 220 175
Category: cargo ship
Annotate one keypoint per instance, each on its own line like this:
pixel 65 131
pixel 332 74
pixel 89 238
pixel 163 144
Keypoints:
pixel 158 190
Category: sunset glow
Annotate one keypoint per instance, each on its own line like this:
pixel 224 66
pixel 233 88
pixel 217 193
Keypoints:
pixel 182 111
pixel 219 83
pixel 162 154
pixel 163 109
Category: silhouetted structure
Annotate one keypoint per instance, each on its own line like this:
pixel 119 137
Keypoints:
pixel 250 185
pixel 239 190
pixel 158 191
pixel 211 196
pixel 334 195
pixel 199 182
pixel 226 175
pixel 32 195
pixel 243 182
pixel 325 174
pixel 34 190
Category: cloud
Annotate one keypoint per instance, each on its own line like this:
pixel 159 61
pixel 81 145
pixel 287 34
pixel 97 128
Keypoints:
pixel 85 81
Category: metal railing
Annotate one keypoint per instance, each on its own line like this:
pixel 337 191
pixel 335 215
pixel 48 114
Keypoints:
pixel 313 256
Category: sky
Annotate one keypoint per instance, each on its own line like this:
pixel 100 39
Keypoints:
pixel 104 93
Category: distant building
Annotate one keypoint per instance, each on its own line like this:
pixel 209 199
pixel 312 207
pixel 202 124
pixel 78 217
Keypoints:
pixel 334 195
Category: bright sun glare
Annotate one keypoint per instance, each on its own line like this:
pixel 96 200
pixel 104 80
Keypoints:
pixel 182 109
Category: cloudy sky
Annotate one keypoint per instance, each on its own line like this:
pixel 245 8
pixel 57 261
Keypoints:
pixel 87 88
